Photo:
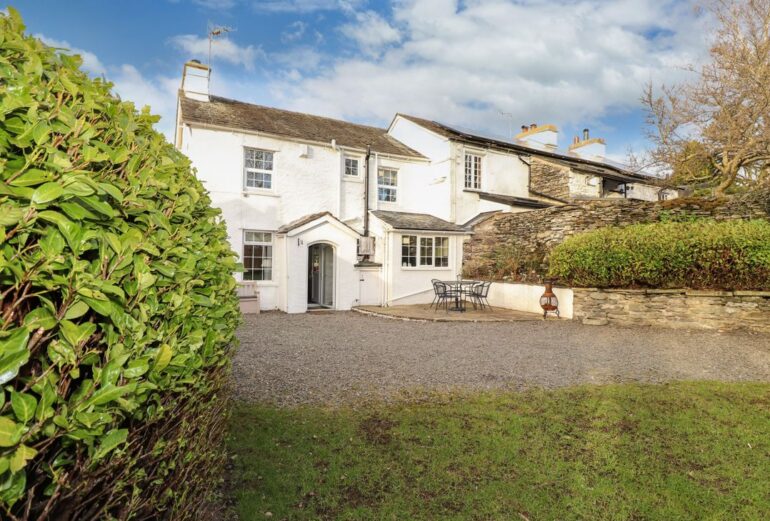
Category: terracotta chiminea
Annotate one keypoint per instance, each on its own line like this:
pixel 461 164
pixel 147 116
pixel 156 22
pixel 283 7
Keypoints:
pixel 548 301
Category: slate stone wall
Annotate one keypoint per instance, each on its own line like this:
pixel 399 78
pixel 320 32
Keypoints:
pixel 674 308
pixel 531 235
pixel 549 179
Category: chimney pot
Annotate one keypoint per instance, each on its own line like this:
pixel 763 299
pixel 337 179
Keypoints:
pixel 524 128
pixel 585 134
pixel 576 140
pixel 533 126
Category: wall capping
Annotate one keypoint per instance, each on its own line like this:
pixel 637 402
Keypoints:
pixel 674 308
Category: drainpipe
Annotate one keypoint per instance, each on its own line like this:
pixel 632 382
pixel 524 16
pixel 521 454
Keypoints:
pixel 366 190
pixel 337 149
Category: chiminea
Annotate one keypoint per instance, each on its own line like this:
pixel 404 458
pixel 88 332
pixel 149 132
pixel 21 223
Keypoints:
pixel 548 301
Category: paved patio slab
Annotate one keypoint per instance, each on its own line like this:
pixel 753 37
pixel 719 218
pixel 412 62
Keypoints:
pixel 425 313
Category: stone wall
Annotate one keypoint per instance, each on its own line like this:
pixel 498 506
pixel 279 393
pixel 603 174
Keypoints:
pixel 549 179
pixel 533 234
pixel 674 308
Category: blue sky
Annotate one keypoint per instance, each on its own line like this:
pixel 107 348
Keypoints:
pixel 574 63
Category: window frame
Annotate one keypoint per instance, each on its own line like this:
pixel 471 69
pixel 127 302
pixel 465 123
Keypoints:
pixel 419 246
pixel 393 189
pixel 263 244
pixel 476 174
pixel 247 170
pixel 345 173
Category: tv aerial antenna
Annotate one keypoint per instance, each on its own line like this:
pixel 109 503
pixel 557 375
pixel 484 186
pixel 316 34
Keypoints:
pixel 509 117
pixel 214 32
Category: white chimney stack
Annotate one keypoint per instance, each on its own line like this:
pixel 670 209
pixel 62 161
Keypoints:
pixel 544 137
pixel 588 147
pixel 195 80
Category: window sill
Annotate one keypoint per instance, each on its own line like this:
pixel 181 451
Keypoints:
pixel 266 193
pixel 259 283
pixel 352 178
pixel 425 268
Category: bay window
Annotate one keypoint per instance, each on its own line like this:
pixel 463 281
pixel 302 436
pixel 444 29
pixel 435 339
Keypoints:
pixel 430 252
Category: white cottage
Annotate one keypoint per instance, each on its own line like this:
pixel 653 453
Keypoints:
pixel 324 213
pixel 331 214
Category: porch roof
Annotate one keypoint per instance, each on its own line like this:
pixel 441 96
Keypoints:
pixel 417 222
pixel 302 221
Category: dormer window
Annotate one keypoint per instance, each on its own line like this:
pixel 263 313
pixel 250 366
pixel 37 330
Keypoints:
pixel 351 167
pixel 473 171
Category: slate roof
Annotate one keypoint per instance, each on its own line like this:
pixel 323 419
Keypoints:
pixel 480 218
pixel 286 228
pixel 513 201
pixel 606 167
pixel 417 222
pixel 234 114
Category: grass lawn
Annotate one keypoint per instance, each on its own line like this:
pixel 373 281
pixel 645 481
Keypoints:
pixel 627 452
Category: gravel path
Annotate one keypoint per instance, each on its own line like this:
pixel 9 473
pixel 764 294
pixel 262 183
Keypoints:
pixel 341 357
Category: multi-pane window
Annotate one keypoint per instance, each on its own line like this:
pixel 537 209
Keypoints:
pixel 408 250
pixel 257 255
pixel 432 251
pixel 351 166
pixel 473 171
pixel 387 183
pixel 426 251
pixel 258 168
pixel 441 259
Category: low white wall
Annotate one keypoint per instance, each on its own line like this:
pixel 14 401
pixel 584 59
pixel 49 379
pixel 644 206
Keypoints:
pixel 526 297
pixel 423 297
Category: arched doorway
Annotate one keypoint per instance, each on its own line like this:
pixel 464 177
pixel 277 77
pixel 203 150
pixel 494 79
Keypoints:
pixel 320 277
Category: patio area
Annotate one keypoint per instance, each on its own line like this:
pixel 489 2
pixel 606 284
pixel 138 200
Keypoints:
pixel 424 312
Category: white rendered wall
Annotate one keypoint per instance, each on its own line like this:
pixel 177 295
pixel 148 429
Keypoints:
pixel 501 173
pixel 579 185
pixel 301 186
pixel 642 192
pixel 526 297
pixel 413 285
pixel 346 279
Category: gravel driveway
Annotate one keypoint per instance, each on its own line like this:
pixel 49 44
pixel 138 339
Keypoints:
pixel 340 357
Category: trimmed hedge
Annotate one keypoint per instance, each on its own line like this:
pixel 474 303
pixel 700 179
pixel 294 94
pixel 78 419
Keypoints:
pixel 706 254
pixel 117 303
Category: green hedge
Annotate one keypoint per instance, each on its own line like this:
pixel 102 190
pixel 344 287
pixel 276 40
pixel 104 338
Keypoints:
pixel 117 304
pixel 730 255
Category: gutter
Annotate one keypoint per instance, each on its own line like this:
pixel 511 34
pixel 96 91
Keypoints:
pixel 213 126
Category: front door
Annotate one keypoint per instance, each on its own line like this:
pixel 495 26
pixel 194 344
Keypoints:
pixel 320 286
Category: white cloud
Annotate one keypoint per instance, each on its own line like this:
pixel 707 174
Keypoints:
pixel 371 32
pixel 305 6
pixel 215 4
pixel 91 63
pixel 223 48
pixel 295 32
pixel 158 92
pixel 562 62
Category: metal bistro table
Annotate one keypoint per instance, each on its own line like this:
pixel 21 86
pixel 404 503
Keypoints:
pixel 460 288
